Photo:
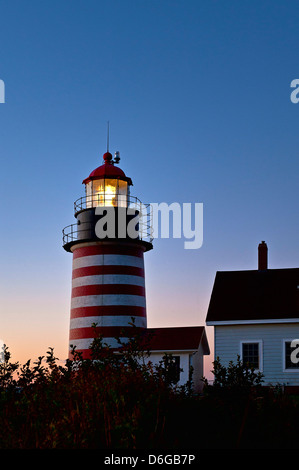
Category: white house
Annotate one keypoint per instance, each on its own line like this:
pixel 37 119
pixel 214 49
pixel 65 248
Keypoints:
pixel 187 345
pixel 255 315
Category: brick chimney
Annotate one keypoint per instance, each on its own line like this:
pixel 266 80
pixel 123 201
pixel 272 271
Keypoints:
pixel 262 256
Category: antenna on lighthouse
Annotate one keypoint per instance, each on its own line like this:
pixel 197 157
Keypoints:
pixel 107 136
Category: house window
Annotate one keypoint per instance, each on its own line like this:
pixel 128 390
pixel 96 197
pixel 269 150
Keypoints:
pixel 291 355
pixel 251 353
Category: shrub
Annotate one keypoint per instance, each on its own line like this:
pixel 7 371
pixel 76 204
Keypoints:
pixel 114 400
pixel 236 378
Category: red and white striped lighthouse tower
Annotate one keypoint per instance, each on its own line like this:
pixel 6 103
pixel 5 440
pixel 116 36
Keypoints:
pixel 108 283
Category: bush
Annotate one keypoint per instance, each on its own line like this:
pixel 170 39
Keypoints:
pixel 114 400
pixel 120 401
pixel 236 378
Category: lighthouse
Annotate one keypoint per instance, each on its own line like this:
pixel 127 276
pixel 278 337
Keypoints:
pixel 108 241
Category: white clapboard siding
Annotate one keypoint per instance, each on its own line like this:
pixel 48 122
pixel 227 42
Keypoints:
pixel 228 340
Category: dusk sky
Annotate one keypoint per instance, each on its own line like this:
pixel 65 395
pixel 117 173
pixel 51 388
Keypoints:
pixel 197 94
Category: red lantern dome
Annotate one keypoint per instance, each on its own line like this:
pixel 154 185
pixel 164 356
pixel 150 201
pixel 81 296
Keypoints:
pixel 108 170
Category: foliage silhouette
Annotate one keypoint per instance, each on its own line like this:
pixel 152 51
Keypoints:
pixel 120 400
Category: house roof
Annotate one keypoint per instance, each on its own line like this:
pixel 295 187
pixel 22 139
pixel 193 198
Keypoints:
pixel 271 294
pixel 186 338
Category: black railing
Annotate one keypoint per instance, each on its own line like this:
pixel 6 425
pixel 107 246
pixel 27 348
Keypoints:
pixel 82 230
pixel 102 199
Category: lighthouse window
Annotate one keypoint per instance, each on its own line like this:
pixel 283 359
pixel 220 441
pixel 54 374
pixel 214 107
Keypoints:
pixel 122 193
pixel 110 192
pixel 89 194
pixel 106 192
pixel 98 193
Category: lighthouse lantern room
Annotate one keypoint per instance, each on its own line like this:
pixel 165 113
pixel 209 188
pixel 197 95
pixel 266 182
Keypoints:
pixel 107 185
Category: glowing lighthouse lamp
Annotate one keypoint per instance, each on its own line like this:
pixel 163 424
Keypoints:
pixel 108 284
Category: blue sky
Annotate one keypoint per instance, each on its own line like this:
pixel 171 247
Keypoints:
pixel 198 98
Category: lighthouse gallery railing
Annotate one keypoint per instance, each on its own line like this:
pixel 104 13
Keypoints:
pixel 71 232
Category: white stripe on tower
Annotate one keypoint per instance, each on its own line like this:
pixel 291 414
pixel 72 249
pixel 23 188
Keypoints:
pixel 84 344
pixel 108 289
pixel 87 322
pixel 103 300
pixel 107 260
pixel 108 279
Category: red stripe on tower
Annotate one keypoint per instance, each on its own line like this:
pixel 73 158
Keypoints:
pixel 117 310
pixel 91 270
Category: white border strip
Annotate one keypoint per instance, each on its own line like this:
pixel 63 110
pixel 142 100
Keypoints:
pixel 100 279
pixel 107 320
pixel 108 260
pixel 107 299
pixel 86 342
